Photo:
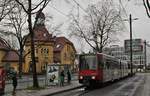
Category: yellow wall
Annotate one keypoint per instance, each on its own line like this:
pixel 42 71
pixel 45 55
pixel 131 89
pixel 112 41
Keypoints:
pixel 67 54
pixel 10 64
pixel 2 54
pixel 41 54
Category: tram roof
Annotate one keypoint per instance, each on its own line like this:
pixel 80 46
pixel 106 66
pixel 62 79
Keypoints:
pixel 106 55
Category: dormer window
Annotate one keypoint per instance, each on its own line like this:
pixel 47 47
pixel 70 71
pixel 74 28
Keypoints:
pixel 44 34
pixel 58 45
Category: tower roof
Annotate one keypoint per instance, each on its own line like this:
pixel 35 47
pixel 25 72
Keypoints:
pixel 40 32
pixel 40 14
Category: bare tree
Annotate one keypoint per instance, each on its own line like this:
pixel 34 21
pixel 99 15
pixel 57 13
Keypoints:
pixel 5 8
pixel 147 7
pixel 99 27
pixel 54 29
pixel 16 21
pixel 29 11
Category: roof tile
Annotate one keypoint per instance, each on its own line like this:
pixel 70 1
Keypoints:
pixel 11 56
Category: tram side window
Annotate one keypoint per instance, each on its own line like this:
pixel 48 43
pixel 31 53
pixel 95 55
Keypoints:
pixel 111 64
pixel 116 65
pixel 108 63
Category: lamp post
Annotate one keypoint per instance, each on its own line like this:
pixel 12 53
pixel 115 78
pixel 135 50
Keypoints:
pixel 131 59
pixel 131 51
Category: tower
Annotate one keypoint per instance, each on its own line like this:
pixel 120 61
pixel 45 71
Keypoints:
pixel 40 19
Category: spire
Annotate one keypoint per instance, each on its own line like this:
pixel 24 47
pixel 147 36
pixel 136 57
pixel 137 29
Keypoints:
pixel 40 19
pixel 40 14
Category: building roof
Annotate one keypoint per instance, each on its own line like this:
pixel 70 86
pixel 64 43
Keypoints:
pixel 40 31
pixel 41 34
pixel 60 43
pixel 11 56
pixel 40 14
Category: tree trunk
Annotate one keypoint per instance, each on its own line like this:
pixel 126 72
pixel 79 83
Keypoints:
pixel 20 61
pixel 35 80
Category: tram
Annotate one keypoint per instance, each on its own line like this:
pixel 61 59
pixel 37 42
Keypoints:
pixel 98 68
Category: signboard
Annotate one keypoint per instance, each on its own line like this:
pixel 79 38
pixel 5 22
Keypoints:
pixel 52 75
pixel 137 45
pixel 53 72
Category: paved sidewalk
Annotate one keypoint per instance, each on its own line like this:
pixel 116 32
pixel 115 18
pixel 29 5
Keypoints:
pixel 48 91
pixel 144 88
pixel 27 78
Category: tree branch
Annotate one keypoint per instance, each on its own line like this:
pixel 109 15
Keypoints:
pixel 146 8
pixel 21 4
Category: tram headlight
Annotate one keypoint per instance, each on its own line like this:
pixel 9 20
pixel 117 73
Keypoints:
pixel 93 77
pixel 81 77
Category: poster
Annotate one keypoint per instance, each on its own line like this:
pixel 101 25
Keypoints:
pixel 52 74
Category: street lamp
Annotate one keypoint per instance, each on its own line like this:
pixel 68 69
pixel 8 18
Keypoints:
pixel 131 59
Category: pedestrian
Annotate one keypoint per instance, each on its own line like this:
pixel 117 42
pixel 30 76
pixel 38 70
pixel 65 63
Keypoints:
pixel 68 77
pixel 14 80
pixel 62 76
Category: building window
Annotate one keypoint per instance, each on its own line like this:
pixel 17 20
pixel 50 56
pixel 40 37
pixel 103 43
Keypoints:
pixel 58 45
pixel 65 56
pixel 36 50
pixel 44 50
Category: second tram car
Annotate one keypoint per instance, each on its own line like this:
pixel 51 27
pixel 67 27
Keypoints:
pixel 98 68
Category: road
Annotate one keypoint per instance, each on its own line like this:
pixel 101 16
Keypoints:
pixel 126 87
pixel 144 88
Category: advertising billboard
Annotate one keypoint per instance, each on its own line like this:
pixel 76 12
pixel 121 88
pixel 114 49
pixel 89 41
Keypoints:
pixel 137 45
pixel 52 75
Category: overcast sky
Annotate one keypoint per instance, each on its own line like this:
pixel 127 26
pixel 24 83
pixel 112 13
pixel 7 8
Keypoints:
pixel 141 27
pixel 60 10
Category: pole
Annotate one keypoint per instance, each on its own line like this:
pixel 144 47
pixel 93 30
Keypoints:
pixel 140 63
pixel 131 62
pixel 46 73
pixel 145 54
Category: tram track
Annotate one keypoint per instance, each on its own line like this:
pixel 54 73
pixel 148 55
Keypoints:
pixel 74 92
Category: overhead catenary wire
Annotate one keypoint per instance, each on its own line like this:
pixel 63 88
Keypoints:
pixel 59 11
pixel 80 6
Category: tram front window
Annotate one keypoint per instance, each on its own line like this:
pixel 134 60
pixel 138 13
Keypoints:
pixel 87 63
